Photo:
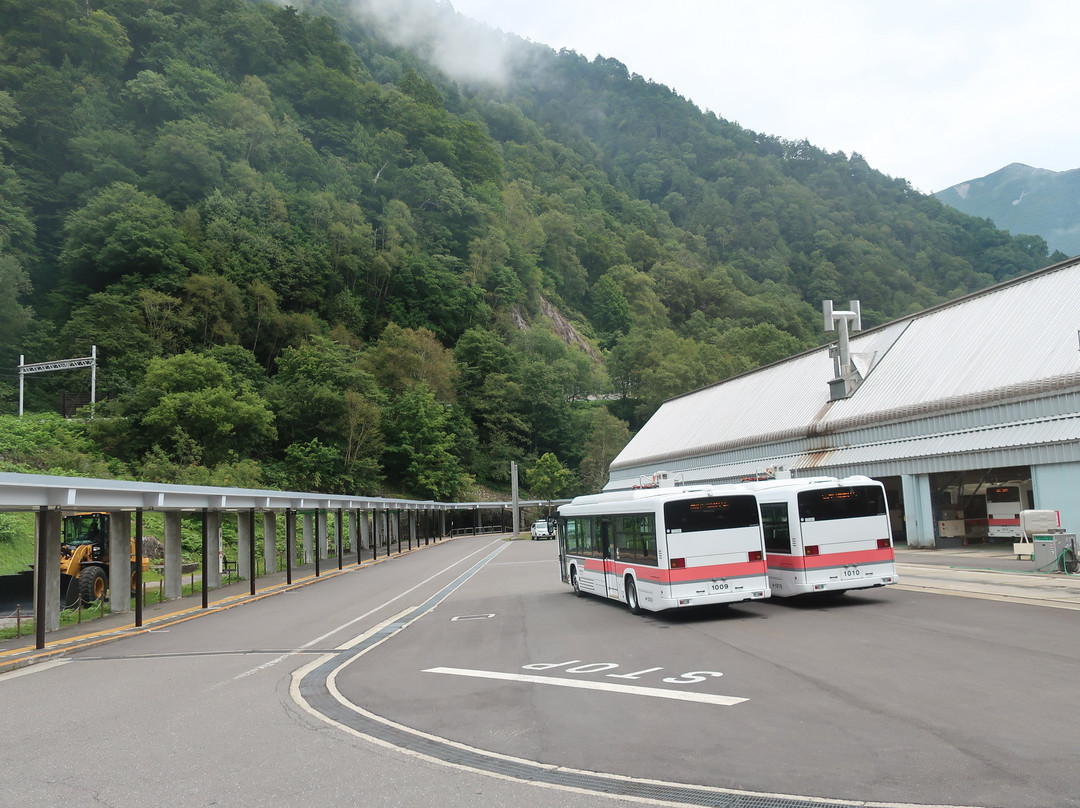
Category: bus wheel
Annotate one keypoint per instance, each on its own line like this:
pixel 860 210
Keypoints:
pixel 574 582
pixel 631 597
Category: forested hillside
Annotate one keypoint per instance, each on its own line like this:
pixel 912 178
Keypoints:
pixel 310 258
pixel 1023 199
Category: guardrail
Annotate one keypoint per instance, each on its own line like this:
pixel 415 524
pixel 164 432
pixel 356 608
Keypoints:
pixel 469 531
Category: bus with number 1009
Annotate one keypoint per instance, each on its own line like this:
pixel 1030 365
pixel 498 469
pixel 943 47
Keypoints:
pixel 665 548
pixel 824 534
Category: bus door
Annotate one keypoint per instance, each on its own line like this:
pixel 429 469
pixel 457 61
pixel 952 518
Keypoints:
pixel 783 551
pixel 607 551
pixel 560 536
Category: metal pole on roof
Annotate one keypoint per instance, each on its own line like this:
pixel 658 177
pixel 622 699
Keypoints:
pixel 842 319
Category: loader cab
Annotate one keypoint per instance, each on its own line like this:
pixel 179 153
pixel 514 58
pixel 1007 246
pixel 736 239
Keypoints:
pixel 87 528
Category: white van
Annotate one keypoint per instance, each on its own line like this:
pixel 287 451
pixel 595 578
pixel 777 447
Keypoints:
pixel 543 529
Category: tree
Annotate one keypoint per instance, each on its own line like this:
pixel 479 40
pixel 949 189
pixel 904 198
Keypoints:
pixel 329 407
pixel 114 324
pixel 548 479
pixel 402 357
pixel 183 167
pixel 196 410
pixel 124 233
pixel 214 307
pixel 14 316
pixel 419 446
pixel 610 308
pixel 608 435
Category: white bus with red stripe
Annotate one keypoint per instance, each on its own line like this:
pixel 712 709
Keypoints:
pixel 665 548
pixel 1003 506
pixel 824 534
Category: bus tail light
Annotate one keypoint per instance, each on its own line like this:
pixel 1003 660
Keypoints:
pixel 678 563
pixel 811 549
pixel 883 544
pixel 756 555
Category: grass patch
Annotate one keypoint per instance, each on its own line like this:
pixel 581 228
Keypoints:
pixel 68 617
pixel 16 542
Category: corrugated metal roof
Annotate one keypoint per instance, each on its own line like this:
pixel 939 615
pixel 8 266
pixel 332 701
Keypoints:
pixel 1014 340
pixel 1027 436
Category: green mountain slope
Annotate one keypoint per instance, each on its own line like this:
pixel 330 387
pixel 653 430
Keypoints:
pixel 324 250
pixel 1022 199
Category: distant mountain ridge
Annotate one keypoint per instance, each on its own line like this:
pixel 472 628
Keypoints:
pixel 1025 200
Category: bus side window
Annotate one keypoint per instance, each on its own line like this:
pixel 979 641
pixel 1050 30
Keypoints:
pixel 635 539
pixel 607 550
pixel 774 521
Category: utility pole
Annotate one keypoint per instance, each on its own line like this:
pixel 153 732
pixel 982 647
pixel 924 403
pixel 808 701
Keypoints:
pixel 514 496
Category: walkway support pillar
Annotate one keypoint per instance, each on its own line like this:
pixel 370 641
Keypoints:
pixel 269 542
pixel 244 543
pixel 120 562
pixel 213 536
pixel 48 529
pixel 250 516
pixel 290 543
pixel 174 558
pixel 309 554
pixel 339 530
pixel 137 576
pixel 365 534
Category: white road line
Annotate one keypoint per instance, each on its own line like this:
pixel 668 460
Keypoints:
pixel 633 690
pixel 37 668
pixel 365 615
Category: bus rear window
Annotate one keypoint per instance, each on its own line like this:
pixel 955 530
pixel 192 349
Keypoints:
pixel 841 503
pixel 1003 493
pixel 710 513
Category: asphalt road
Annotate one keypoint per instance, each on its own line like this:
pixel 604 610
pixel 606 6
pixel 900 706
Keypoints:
pixel 400 683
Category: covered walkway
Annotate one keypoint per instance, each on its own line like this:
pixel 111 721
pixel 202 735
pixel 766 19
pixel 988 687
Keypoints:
pixel 329 528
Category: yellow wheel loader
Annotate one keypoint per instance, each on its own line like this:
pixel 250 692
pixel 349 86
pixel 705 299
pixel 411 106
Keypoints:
pixel 84 559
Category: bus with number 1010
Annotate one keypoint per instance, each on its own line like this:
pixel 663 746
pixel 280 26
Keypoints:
pixel 665 548
pixel 824 534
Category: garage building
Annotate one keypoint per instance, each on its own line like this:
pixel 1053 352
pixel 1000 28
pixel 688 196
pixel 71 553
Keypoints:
pixel 968 412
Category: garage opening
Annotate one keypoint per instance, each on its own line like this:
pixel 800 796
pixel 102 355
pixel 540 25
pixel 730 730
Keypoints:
pixel 980 506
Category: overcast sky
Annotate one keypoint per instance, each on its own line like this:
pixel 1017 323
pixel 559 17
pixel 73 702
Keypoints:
pixel 935 91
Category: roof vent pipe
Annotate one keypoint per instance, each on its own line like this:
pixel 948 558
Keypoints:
pixel 847 377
